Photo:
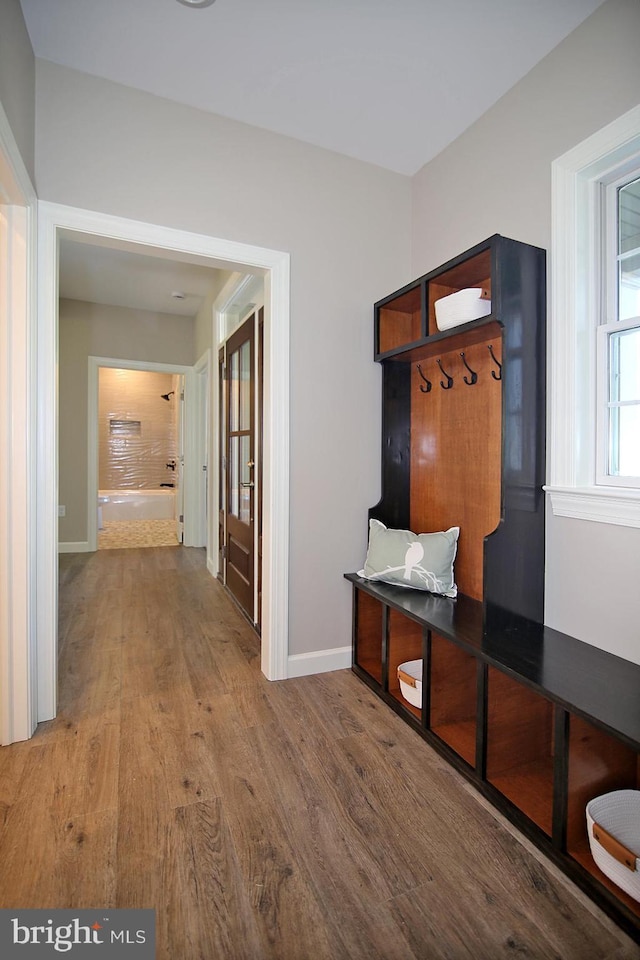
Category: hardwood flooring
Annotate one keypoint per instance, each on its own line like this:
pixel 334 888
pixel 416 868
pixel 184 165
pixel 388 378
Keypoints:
pixel 296 820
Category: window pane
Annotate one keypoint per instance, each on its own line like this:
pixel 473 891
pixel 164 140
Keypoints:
pixel 624 403
pixel 245 386
pixel 629 251
pixel 625 441
pixel 625 365
pixel 234 399
pixel 629 288
pixel 234 477
pixel 245 472
pixel 629 216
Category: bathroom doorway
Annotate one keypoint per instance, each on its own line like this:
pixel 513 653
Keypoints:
pixel 140 458
pixel 143 454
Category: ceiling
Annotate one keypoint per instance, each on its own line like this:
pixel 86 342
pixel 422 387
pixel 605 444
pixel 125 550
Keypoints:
pixel 390 82
pixel 96 272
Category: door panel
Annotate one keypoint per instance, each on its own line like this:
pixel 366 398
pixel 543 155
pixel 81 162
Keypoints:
pixel 240 460
pixel 179 472
pixel 259 432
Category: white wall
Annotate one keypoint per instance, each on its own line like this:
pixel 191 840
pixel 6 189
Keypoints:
pixel 496 178
pixel 346 224
pixel 17 79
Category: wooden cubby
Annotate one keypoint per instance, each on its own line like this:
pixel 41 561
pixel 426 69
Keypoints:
pixel 399 319
pixel 537 720
pixel 520 748
pixel 453 682
pixel 368 620
pixel 598 763
pixel 472 272
pixel 405 642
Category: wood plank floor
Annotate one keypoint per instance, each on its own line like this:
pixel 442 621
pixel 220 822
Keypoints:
pixel 297 820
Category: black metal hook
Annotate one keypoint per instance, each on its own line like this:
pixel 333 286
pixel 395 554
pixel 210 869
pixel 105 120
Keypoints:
pixel 496 376
pixel 428 382
pixel 449 383
pixel 474 376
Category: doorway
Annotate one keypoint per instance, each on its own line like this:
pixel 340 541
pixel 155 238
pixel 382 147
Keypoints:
pixel 140 459
pixel 179 381
pixel 56 220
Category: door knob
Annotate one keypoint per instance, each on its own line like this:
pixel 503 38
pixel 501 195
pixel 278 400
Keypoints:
pixel 250 484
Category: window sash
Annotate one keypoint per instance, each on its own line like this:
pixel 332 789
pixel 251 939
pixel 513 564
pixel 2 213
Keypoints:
pixel 606 405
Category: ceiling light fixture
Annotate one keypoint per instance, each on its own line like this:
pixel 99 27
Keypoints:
pixel 197 3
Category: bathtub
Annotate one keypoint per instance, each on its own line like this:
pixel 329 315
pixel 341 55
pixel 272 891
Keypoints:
pixel 136 504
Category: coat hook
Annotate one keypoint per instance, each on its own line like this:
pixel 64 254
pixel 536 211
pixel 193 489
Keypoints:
pixel 428 382
pixel 496 376
pixel 474 376
pixel 449 382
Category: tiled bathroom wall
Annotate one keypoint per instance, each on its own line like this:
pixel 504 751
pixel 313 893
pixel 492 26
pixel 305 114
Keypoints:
pixel 137 429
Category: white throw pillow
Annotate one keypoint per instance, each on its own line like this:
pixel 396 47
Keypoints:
pixel 423 561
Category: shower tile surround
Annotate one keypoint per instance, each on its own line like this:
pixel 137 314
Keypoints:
pixel 137 429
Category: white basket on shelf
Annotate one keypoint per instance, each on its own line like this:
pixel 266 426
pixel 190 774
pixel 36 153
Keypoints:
pixel 613 825
pixel 410 677
pixel 462 306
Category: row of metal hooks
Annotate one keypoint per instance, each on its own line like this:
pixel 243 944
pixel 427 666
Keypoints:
pixel 469 380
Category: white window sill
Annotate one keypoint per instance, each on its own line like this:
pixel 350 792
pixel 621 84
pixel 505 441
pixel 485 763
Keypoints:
pixel 600 504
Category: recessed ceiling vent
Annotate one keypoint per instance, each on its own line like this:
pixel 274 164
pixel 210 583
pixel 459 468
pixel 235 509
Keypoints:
pixel 197 3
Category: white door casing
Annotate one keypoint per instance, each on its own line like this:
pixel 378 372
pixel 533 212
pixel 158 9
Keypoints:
pixel 17 442
pixel 54 219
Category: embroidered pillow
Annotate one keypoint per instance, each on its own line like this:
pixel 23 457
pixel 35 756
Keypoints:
pixel 423 561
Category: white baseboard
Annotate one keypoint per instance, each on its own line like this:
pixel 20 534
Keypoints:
pixel 211 567
pixel 319 661
pixel 82 546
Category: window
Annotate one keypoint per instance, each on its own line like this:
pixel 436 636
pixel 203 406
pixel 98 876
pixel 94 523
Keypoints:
pixel 618 346
pixel 594 384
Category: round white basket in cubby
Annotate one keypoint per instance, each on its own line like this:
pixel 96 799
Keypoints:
pixel 410 677
pixel 613 825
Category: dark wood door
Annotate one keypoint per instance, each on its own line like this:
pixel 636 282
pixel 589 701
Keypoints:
pixel 240 465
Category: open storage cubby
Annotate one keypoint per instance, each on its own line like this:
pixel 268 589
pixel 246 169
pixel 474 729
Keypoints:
pixel 405 642
pixel 368 617
pixel 472 272
pixel 538 721
pixel 453 682
pixel 399 319
pixel 598 763
pixel 520 747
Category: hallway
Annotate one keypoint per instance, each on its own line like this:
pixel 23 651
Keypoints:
pixel 297 820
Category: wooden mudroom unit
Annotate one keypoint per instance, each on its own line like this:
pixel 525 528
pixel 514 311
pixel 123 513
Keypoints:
pixel 537 720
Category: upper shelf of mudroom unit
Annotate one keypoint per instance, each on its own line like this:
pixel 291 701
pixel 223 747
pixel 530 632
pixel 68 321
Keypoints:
pixel 405 321
pixel 464 335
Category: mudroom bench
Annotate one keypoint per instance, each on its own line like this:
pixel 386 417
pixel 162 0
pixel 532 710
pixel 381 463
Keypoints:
pixel 540 722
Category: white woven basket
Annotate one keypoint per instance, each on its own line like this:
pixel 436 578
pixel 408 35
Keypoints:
pixel 613 825
pixel 462 306
pixel 410 677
